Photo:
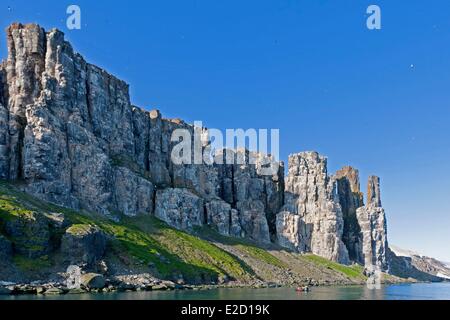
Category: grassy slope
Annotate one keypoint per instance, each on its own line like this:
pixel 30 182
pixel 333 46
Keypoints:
pixel 143 241
pixel 354 272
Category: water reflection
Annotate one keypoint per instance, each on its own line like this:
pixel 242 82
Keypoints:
pixel 440 291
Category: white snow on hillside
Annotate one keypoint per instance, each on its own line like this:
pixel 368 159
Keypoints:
pixel 404 253
pixel 444 276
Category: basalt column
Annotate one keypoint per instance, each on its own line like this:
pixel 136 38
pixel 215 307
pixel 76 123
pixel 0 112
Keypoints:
pixel 351 198
pixel 372 221
pixel 311 220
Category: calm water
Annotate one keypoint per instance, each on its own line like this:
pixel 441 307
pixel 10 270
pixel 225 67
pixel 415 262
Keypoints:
pixel 439 291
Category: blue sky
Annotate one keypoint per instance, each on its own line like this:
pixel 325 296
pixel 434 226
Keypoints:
pixel 377 100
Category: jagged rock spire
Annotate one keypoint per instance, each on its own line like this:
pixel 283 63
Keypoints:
pixel 372 220
pixel 312 196
pixel 352 176
pixel 350 199
pixel 4 127
pixel 24 68
pixel 373 191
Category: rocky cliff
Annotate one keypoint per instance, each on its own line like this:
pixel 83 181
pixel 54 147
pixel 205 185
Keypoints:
pixel 312 196
pixel 404 263
pixel 70 135
pixel 351 198
pixel 372 221
pixel 326 214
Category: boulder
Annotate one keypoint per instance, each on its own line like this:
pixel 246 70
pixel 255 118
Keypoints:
pixel 73 280
pixel 83 244
pixel 93 281
pixel 30 234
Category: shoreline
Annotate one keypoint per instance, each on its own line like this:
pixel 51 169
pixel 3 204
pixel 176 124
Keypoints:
pixel 113 286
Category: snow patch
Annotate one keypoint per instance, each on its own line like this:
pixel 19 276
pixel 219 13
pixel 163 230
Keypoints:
pixel 404 253
pixel 444 276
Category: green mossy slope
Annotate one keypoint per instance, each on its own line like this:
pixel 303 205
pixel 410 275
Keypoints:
pixel 145 244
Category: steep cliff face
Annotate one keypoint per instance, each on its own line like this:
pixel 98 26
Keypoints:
pixel 350 199
pixel 66 118
pixel 71 135
pixel 4 136
pixel 365 227
pixel 372 221
pixel 326 215
pixel 312 195
pixel 256 196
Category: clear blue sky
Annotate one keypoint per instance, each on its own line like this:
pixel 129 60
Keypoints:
pixel 310 68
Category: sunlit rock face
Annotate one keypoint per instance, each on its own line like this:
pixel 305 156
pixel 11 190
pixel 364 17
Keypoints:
pixel 326 215
pixel 312 195
pixel 258 197
pixel 179 208
pixel 373 224
pixel 70 134
pixel 351 198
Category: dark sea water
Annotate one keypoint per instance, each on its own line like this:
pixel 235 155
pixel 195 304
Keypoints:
pixel 437 291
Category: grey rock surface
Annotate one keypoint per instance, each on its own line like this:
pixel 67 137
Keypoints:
pixel 92 281
pixel 4 124
pixel 405 263
pixel 179 208
pixel 133 195
pixel 73 277
pixel 290 230
pixel 83 245
pixel 373 224
pixel 312 195
pixel 224 219
pixel 253 221
pixel 373 191
pixel 67 124
pixel 326 215
pixel 69 132
pixel 351 198
pixel 257 196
